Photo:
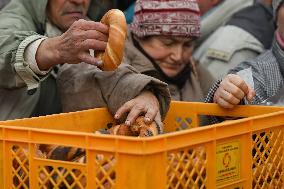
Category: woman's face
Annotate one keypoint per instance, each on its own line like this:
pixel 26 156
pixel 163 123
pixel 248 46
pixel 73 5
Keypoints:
pixel 170 53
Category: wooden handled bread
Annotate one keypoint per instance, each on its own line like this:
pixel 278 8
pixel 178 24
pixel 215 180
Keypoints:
pixel 113 54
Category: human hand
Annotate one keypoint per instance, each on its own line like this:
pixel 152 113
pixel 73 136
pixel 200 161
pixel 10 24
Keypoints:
pixel 73 46
pixel 232 90
pixel 145 103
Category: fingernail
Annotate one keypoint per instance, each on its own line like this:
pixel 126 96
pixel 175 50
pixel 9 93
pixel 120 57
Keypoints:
pixel 99 62
pixel 127 123
pixel 147 119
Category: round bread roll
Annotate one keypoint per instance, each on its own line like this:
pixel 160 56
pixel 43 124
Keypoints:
pixel 113 54
pixel 141 129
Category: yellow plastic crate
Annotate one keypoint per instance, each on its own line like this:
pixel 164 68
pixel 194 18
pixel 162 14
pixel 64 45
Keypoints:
pixel 244 153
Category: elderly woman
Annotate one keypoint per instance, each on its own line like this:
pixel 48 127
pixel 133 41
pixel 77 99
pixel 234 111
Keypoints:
pixel 160 43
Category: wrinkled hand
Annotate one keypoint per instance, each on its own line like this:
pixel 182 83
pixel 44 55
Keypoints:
pixel 73 46
pixel 79 38
pixel 232 90
pixel 145 103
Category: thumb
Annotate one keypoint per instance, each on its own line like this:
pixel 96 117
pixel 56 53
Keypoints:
pixel 159 123
pixel 250 94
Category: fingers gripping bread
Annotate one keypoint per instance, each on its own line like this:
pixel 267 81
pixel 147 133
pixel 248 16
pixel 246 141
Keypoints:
pixel 113 54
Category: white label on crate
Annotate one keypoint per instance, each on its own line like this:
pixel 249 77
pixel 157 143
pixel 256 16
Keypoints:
pixel 227 162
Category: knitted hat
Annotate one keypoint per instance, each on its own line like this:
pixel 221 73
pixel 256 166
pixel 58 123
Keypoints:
pixel 166 17
pixel 276 4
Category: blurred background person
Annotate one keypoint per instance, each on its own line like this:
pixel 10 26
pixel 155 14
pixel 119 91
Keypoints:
pixel 215 13
pixel 267 72
pixel 3 3
pixel 247 34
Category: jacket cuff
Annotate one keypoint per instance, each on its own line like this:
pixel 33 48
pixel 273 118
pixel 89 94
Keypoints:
pixel 30 57
pixel 162 93
pixel 210 96
pixel 23 69
pixel 135 83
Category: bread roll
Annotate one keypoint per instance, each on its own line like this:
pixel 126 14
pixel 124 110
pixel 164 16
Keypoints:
pixel 113 54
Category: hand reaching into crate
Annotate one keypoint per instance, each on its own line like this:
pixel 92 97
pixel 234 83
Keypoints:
pixel 145 103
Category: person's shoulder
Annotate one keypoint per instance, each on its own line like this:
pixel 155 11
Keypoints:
pixel 265 59
pixel 229 40
pixel 257 64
